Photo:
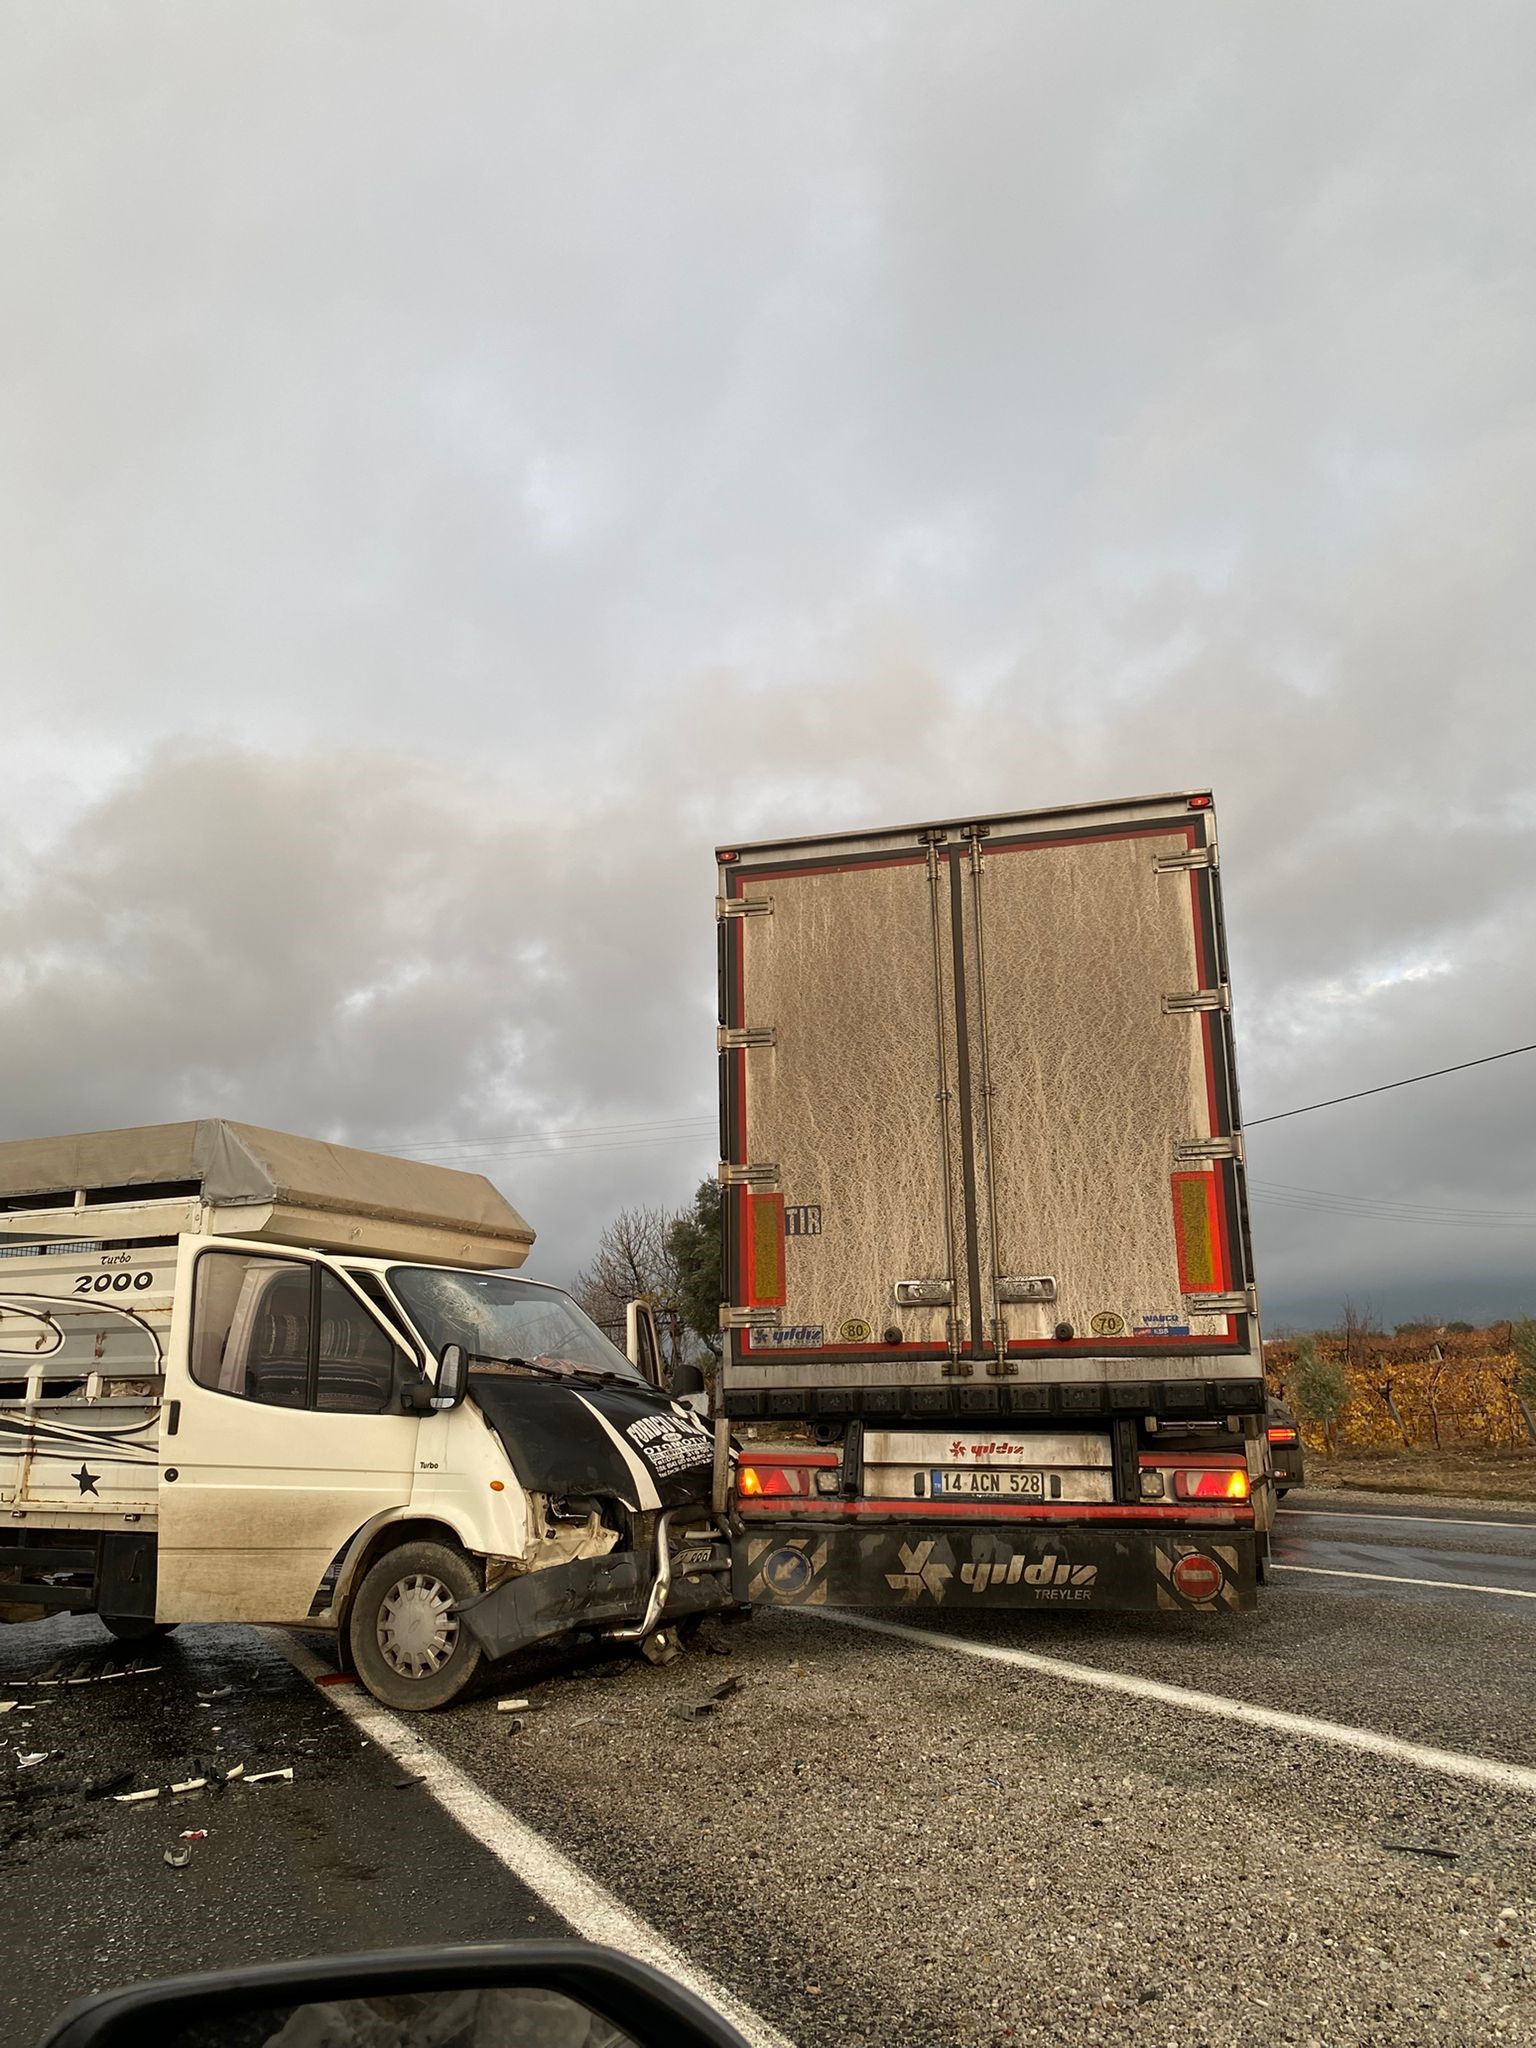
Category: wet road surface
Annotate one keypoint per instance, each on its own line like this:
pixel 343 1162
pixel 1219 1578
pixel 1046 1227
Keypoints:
pixel 340 1858
pixel 872 1840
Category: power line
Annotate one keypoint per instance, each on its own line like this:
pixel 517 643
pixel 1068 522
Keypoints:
pixel 1424 1212
pixel 1403 1218
pixel 498 1143
pixel 1386 1086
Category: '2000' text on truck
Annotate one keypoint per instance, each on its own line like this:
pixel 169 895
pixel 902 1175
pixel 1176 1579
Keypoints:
pixel 985 1224
pixel 251 1377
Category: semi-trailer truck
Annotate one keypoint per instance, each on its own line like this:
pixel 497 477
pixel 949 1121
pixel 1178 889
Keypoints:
pixel 990 1329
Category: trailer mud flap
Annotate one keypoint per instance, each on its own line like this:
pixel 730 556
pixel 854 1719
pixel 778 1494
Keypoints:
pixel 1136 1572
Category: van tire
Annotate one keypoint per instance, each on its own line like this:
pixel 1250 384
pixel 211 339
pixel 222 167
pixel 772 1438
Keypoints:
pixel 135 1628
pixel 408 1647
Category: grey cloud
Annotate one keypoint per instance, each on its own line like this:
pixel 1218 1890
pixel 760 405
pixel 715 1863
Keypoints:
pixel 459 464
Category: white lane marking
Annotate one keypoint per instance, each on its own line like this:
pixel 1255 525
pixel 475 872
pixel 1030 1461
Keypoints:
pixel 591 1912
pixel 1370 1515
pixel 1323 1571
pixel 1451 1763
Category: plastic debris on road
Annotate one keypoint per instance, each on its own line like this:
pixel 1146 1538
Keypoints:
pixel 179 1857
pixel 513 1706
pixel 695 1710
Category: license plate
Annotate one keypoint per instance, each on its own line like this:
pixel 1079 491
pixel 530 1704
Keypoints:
pixel 1006 1485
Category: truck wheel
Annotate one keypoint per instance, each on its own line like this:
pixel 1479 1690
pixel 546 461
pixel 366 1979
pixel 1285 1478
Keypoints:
pixel 408 1646
pixel 134 1628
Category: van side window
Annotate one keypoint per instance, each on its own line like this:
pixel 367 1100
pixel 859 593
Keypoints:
pixel 289 1335
pixel 356 1360
pixel 250 1328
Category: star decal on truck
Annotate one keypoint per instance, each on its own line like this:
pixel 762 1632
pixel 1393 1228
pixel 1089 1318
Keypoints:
pixel 86 1481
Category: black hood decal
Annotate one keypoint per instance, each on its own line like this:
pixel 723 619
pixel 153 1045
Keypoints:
pixel 578 1438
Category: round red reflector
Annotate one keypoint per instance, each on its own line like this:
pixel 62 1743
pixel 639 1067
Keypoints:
pixel 1198 1578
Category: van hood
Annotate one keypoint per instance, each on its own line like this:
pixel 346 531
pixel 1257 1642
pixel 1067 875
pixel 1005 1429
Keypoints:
pixel 563 1439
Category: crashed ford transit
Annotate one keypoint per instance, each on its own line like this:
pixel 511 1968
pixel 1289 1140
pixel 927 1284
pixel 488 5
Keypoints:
pixel 251 1377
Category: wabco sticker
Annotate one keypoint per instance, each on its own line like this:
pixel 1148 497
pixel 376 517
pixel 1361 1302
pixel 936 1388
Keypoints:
pixel 1107 1324
pixel 854 1331
pixel 1162 1323
pixel 792 1337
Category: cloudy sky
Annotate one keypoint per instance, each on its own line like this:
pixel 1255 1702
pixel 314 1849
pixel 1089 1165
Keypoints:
pixel 458 462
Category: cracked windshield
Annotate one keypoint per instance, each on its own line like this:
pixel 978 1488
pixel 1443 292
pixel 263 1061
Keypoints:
pixel 510 1320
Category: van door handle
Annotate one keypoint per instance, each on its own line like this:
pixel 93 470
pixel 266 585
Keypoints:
pixel 172 1418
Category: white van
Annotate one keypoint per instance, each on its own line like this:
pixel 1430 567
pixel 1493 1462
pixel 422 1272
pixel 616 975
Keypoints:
pixel 252 1377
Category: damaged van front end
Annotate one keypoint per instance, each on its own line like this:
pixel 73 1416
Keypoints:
pixel 623 1539
pixel 599 1482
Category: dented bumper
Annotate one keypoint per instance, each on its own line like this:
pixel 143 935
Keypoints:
pixel 601 1592
pixel 912 1565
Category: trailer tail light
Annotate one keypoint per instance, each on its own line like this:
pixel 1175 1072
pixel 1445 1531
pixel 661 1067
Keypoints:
pixel 1225 1482
pixel 1201 801
pixel 1281 1433
pixel 763 1481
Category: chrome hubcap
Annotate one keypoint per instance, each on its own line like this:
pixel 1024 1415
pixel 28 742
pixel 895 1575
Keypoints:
pixel 418 1631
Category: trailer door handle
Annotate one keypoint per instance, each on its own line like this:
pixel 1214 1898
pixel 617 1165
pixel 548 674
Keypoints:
pixel 172 1418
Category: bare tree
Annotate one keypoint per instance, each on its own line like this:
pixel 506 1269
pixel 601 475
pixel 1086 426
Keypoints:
pixel 1439 1364
pixel 634 1262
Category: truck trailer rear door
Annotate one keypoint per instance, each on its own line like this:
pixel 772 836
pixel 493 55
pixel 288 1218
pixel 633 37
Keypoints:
pixel 978 1110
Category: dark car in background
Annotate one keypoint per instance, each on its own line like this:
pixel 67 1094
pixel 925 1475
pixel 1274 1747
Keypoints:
pixel 1286 1455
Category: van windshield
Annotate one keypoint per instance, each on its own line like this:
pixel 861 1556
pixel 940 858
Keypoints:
pixel 494 1316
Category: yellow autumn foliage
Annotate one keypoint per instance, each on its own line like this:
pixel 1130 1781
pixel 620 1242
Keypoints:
pixel 1421 1390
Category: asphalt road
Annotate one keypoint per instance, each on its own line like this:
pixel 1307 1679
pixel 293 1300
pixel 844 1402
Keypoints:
pixel 1008 1830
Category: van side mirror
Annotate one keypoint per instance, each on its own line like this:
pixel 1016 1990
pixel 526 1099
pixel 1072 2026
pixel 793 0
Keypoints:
pixel 452 1376
pixel 545 1992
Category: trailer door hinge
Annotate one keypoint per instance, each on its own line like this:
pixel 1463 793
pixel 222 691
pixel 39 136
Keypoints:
pixel 1199 999
pixel 734 1176
pixel 743 906
pixel 748 1318
pixel 1209 1148
pixel 1025 1287
pixel 1196 857
pixel 741 1038
pixel 1244 1302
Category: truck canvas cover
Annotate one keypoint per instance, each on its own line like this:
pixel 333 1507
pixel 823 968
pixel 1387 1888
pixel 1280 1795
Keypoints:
pixel 238 1180
pixel 979 1120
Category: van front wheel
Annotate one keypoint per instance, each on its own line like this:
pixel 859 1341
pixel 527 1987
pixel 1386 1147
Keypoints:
pixel 408 1645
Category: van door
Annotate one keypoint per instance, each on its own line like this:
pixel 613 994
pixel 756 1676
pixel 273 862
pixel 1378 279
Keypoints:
pixel 284 1430
pixel 642 1342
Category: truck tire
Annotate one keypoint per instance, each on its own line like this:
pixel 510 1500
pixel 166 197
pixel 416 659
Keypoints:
pixel 135 1628
pixel 408 1646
